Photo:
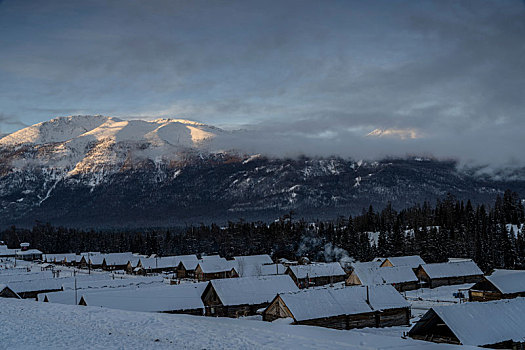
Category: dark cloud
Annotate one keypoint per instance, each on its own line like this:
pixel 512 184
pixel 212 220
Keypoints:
pixel 10 121
pixel 304 76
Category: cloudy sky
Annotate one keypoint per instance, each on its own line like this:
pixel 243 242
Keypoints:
pixel 354 78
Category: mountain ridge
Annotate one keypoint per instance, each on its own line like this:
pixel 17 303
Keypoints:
pixel 108 172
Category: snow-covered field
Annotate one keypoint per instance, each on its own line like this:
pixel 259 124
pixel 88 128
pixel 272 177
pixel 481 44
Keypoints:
pixel 26 324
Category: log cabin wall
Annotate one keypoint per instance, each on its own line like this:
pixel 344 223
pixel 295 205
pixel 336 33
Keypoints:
pixel 401 287
pixel 394 317
pixel 336 322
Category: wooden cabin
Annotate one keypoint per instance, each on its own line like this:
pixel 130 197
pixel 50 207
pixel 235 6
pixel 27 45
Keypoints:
pixel 117 261
pixel 215 269
pixel 187 266
pixel 92 261
pixel 449 273
pixel 133 267
pixel 6 292
pixel 158 264
pixel 235 297
pixel 256 265
pixel 411 260
pixel 317 274
pixel 341 307
pixel 29 255
pixel 495 324
pixel 402 278
pixel 501 284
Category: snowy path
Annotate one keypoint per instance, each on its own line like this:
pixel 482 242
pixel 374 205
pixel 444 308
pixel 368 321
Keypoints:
pixel 26 324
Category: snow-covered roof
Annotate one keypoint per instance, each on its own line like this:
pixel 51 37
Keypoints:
pixel 90 253
pixel 4 287
pixel 252 290
pixel 452 269
pixel 313 303
pixel 119 258
pixel 36 285
pixel 189 262
pixel 482 323
pixel 105 281
pixel 398 274
pixel 316 303
pixel 4 251
pixel 383 297
pixel 411 260
pixel 211 257
pixel 216 265
pixel 254 259
pixel 317 270
pixel 95 259
pixel 160 263
pixel 28 252
pixel 60 257
pixel 508 281
pixel 370 275
pixel 260 270
pixel 14 275
pixel 63 297
pixel 186 296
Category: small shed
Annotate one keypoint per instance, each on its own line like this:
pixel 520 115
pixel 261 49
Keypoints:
pixel 494 324
pixel 410 260
pixel 317 274
pixel 449 273
pixel 341 307
pixel 501 284
pixel 234 297
pixel 6 292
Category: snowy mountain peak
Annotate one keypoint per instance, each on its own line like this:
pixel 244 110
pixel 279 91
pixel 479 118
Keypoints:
pixel 97 127
pixel 55 130
pixel 80 144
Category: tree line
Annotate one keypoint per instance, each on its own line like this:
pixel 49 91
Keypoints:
pixel 450 228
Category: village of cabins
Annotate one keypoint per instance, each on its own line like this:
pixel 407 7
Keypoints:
pixel 378 293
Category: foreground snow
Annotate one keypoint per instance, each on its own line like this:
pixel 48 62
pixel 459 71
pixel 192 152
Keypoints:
pixel 26 324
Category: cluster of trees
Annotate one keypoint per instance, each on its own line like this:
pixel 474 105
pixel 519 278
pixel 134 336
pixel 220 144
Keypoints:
pixel 450 228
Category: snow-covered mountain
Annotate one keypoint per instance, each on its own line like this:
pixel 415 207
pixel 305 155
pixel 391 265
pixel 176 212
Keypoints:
pixel 83 144
pixel 103 171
